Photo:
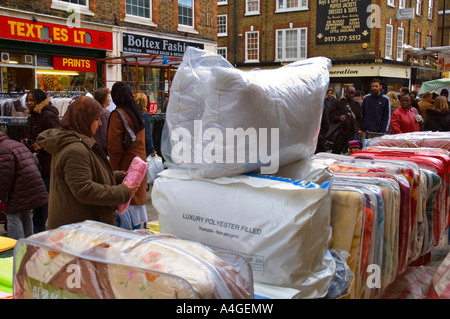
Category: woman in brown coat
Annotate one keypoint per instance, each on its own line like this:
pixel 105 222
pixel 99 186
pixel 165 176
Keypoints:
pixel 119 156
pixel 83 183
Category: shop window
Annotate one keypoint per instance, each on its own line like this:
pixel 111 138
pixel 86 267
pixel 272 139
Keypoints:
pixel 291 44
pixel 56 80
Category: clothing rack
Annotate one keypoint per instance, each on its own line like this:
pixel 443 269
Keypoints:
pixel 14 127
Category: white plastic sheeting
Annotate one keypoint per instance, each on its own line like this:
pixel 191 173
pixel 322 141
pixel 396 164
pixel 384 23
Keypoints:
pixel 222 121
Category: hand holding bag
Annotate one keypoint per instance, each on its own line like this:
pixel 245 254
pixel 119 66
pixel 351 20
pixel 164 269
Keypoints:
pixel 128 136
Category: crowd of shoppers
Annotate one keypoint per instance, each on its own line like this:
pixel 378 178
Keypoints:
pixel 358 116
pixel 75 163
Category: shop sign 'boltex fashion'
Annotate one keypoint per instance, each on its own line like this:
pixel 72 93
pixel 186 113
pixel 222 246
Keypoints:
pixel 142 44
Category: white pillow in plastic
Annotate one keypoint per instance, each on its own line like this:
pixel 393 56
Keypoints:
pixel 223 121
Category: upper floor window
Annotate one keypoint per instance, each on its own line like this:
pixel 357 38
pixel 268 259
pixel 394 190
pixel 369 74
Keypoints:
pixel 222 2
pixel 251 7
pixel 417 40
pixel 139 8
pixel 391 3
pixel 79 2
pixel 252 46
pixel 388 47
pixel 291 44
pixel 429 41
pixel 430 9
pixel 222 25
pixel 419 7
pixel 139 11
pixel 80 6
pixel 401 4
pixel 222 51
pixel 291 5
pixel 400 40
pixel 186 12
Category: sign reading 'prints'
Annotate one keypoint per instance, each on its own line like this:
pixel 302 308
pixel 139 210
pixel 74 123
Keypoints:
pixel 342 21
pixel 142 44
pixel 74 64
pixel 49 33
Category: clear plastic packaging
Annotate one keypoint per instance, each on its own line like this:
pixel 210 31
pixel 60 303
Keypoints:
pixel 135 175
pixel 95 260
pixel 280 224
pixel 406 173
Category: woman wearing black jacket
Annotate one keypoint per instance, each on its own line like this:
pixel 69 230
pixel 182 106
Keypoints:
pixel 437 119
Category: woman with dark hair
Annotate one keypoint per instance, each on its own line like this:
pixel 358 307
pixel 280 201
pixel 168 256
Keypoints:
pixel 120 156
pixel 84 185
pixel 42 116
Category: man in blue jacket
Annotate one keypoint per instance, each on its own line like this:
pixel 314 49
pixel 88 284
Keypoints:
pixel 376 111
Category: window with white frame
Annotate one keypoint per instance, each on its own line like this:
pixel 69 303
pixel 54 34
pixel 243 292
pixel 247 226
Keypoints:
pixel 429 41
pixel 430 9
pixel 222 25
pixel 252 46
pixel 417 40
pixel 400 41
pixel 291 44
pixel 81 6
pixel 222 51
pixel 252 7
pixel 186 12
pixel 388 46
pixel 79 2
pixel 291 5
pixel 429 44
pixel 419 7
pixel 391 3
pixel 401 4
pixel 139 8
pixel 222 2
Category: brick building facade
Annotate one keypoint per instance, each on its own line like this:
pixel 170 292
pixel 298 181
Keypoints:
pixel 39 38
pixel 363 38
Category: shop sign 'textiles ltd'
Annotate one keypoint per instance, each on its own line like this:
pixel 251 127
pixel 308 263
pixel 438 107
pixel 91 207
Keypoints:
pixel 49 33
pixel 142 44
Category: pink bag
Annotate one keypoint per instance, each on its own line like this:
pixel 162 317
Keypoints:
pixel 135 175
